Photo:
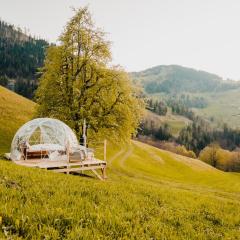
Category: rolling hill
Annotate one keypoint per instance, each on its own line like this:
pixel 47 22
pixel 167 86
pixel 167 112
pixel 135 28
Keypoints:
pixel 14 111
pixel 173 81
pixel 149 194
pixel 224 107
pixel 178 79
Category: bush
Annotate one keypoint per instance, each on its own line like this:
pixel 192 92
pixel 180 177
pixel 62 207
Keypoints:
pixel 178 149
pixel 220 158
pixel 235 167
pixel 181 150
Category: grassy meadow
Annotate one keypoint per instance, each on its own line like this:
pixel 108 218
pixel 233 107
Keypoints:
pixel 14 111
pixel 149 194
pixel 175 122
pixel 224 106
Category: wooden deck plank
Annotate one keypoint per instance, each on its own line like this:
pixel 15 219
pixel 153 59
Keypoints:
pixel 62 170
pixel 96 173
pixel 53 164
pixel 62 166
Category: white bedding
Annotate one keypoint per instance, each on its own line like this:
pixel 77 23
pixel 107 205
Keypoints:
pixel 46 147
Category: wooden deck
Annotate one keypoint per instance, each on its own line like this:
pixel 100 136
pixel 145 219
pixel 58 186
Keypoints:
pixel 62 166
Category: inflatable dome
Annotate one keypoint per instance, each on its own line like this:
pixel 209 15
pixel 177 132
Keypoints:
pixel 43 137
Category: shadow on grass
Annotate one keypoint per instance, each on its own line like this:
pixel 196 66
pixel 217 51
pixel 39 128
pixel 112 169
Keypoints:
pixel 82 175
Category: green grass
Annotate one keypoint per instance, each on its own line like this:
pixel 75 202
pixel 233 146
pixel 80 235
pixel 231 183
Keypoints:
pixel 14 111
pixel 149 194
pixel 223 106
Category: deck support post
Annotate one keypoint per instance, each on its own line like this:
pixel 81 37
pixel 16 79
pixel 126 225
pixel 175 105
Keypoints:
pixel 68 157
pixel 105 151
pixel 96 173
pixel 104 175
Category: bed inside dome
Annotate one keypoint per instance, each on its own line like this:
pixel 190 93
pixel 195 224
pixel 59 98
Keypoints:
pixel 44 138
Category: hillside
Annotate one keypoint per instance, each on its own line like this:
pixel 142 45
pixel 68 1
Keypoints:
pixel 207 94
pixel 149 194
pixel 178 79
pixel 14 111
pixel 175 122
pixel 223 107
pixel 20 57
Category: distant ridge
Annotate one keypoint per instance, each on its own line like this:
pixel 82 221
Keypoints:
pixel 177 79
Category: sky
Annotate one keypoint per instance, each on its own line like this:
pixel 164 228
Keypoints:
pixel 201 34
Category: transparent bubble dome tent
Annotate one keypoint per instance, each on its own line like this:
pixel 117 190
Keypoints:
pixel 43 138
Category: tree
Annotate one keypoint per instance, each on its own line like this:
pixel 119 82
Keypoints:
pixel 220 158
pixel 163 133
pixel 196 135
pixel 209 154
pixel 158 107
pixel 3 81
pixel 77 83
pixel 235 166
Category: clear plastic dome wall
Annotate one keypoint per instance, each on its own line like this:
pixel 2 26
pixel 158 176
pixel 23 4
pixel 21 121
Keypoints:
pixel 43 133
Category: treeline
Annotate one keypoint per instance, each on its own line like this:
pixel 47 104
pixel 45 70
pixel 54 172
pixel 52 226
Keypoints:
pixel 189 101
pixel 179 108
pixel 149 128
pixel 20 57
pixel 197 137
pixel 158 107
pixel 199 134
pixel 180 105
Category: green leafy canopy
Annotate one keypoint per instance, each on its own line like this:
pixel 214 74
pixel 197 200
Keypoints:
pixel 78 83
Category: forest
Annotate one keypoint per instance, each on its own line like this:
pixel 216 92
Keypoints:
pixel 21 56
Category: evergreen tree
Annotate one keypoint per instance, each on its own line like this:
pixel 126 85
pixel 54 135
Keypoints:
pixel 20 58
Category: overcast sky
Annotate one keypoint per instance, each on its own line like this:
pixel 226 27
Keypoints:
pixel 203 34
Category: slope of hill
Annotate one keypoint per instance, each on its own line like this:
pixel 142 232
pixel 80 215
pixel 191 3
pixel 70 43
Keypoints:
pixel 223 107
pixel 14 111
pixel 175 122
pixel 20 57
pixel 150 194
pixel 178 79
pixel 221 97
